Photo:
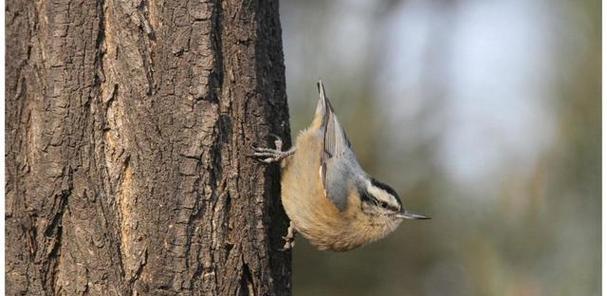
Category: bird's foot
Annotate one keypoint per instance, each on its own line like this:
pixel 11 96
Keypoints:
pixel 269 155
pixel 289 238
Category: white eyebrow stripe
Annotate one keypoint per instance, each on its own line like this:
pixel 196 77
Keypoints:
pixel 382 195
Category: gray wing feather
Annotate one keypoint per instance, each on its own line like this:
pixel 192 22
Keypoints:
pixel 338 161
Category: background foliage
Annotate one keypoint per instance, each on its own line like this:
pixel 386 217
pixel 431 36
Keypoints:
pixel 484 115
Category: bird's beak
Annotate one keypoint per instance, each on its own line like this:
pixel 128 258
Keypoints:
pixel 411 216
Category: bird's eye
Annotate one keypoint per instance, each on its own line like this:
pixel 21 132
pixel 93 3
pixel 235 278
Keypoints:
pixel 383 204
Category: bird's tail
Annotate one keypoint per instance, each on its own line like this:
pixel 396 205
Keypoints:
pixel 324 109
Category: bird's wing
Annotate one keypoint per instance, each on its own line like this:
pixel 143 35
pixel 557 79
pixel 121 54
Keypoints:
pixel 336 157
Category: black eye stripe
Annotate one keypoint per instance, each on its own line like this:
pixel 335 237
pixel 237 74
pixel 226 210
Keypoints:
pixel 386 188
pixel 388 206
pixel 369 199
pixel 366 197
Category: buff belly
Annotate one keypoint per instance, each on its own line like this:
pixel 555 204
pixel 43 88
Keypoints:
pixel 313 214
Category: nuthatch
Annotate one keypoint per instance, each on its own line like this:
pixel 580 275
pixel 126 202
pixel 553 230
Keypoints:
pixel 329 198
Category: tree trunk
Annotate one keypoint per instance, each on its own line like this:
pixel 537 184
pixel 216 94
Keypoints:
pixel 128 124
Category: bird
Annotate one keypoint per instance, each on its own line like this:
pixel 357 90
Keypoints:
pixel 326 194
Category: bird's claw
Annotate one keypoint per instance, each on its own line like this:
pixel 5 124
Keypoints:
pixel 289 238
pixel 268 155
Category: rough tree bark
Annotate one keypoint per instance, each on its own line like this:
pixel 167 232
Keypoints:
pixel 128 124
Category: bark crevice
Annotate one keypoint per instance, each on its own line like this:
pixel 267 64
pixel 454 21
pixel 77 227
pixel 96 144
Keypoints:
pixel 128 125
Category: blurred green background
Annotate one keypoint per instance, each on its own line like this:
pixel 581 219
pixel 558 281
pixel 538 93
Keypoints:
pixel 485 115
